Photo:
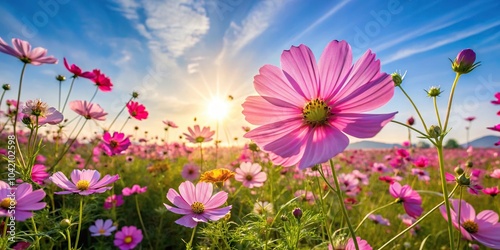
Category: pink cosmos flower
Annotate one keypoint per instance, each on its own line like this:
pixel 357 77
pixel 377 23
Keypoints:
pixel 199 136
pixel 470 118
pixel 495 128
pixel 21 199
pixel 190 172
pixel 36 108
pixel 421 162
pixel 102 228
pixel 136 189
pixel 77 72
pixel 305 108
pixel 412 202
pixel 380 167
pixel 497 101
pixel 408 220
pixel 137 110
pixel 116 144
pixel 22 50
pixel 197 204
pixel 88 110
pixel 378 219
pixel 128 238
pixel 483 227
pixel 492 191
pixel 250 175
pixel 83 182
pixel 102 81
pixel 305 196
pixel 39 174
pixel 495 174
pixel 363 244
pixel 170 124
pixel 22 245
pixel 113 201
pixel 421 174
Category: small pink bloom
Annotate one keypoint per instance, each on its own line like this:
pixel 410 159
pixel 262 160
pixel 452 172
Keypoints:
pixel 363 244
pixel 77 72
pixel 22 50
pixel 305 108
pixel 113 201
pixel 116 144
pixel 495 174
pixel 378 219
pixel 412 202
pixel 190 172
pixel 470 118
pixel 250 175
pixel 88 110
pixel 483 227
pixel 197 203
pixel 170 124
pixel 23 198
pixel 83 182
pixel 198 136
pixel 102 81
pixel 39 174
pixel 304 195
pixel 36 109
pixel 492 191
pixel 137 110
pixel 136 189
pixel 102 228
pixel 128 238
pixel 421 162
pixel 495 128
pixel 421 174
pixel 497 101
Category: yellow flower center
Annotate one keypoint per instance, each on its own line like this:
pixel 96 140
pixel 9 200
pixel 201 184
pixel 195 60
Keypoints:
pixel 316 112
pixel 198 207
pixel 200 139
pixel 470 226
pixel 127 239
pixel 7 202
pixel 101 231
pixel 83 185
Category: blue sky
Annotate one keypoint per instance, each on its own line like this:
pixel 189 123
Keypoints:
pixel 179 54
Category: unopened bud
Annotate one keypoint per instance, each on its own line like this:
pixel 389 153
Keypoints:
pixel 284 218
pixel 434 91
pixel 65 223
pixel 463 180
pixel 297 213
pixel 459 170
pixel 6 86
pixel 464 62
pixel 253 147
pixel 135 95
pixel 434 131
pixel 397 78
pixel 60 78
pixel 469 164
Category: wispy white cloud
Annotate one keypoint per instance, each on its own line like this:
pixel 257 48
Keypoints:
pixel 257 21
pixel 439 41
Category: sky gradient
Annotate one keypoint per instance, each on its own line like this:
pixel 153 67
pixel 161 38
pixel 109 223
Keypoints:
pixel 180 54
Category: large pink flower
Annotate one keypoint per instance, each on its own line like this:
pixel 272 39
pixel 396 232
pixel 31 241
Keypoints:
pixel 305 108
pixel 197 204
pixel 20 201
pixel 22 50
pixel 77 72
pixel 88 110
pixel 198 136
pixel 483 227
pixel 137 110
pixel 115 144
pixel 83 182
pixel 412 202
pixel 250 175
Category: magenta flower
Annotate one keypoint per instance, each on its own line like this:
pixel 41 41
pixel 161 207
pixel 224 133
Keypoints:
pixel 304 195
pixel 197 204
pixel 170 124
pixel 102 228
pixel 77 72
pixel 136 189
pixel 495 128
pixel 492 191
pixel 363 244
pixel 190 172
pixel 378 219
pixel 83 182
pixel 421 162
pixel 128 238
pixel 412 202
pixel 22 50
pixel 88 110
pixel 495 174
pixel 113 201
pixel 116 144
pixel 250 175
pixel 102 81
pixel 483 227
pixel 421 174
pixel 497 101
pixel 39 174
pixel 470 118
pixel 305 108
pixel 464 62
pixel 20 201
pixel 199 136
pixel 137 110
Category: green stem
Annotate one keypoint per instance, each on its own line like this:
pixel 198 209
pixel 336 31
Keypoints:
pixel 414 106
pixel 95 93
pixel 189 245
pixel 373 211
pixel 19 97
pixel 458 217
pixel 142 222
pixel 445 191
pixel 201 156
pixel 68 147
pixel 450 101
pixel 37 240
pixel 417 221
pixel 416 130
pixel 69 238
pixel 298 234
pixel 342 205
pixel 325 223
pixel 437 111
pixel 80 216
pixel 119 113
pixel 1 98
pixel 69 92
pixel 123 126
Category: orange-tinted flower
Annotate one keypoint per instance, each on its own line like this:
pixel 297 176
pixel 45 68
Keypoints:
pixel 217 175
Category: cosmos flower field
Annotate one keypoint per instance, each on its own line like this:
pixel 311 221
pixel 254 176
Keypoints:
pixel 293 185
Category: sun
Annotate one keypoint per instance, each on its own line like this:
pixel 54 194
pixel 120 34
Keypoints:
pixel 217 108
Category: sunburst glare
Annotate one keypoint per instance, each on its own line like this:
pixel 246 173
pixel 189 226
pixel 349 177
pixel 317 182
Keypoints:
pixel 217 108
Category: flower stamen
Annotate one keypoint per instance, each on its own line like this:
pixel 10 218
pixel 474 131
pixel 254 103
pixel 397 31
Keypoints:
pixel 83 185
pixel 198 207
pixel 316 112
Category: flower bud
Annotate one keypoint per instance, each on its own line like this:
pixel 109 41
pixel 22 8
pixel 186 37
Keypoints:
pixel 297 213
pixel 459 170
pixel 65 223
pixel 6 86
pixel 26 120
pixel 397 78
pixel 469 164
pixel 434 131
pixel 60 78
pixel 283 217
pixel 253 147
pixel 464 62
pixel 135 94
pixel 434 91
pixel 410 121
pixel 463 180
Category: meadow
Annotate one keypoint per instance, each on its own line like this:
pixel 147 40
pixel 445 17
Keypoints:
pixel 284 189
